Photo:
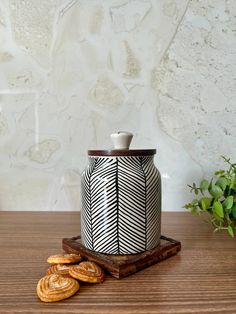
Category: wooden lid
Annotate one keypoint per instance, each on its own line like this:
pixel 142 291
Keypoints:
pixel 122 152
pixel 121 142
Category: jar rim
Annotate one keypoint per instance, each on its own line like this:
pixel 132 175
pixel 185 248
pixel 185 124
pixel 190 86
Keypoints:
pixel 122 152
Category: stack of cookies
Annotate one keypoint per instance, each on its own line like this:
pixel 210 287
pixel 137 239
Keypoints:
pixel 63 277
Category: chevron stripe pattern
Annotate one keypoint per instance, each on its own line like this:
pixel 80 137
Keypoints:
pixel 86 212
pixel 121 205
pixel 153 202
pixel 105 206
pixel 131 200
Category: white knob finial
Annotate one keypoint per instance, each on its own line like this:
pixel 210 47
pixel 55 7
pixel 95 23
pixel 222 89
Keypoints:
pixel 121 140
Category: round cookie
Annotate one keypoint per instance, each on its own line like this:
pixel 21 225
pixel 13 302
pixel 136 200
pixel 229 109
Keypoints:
pixel 64 259
pixel 60 269
pixel 87 271
pixel 54 288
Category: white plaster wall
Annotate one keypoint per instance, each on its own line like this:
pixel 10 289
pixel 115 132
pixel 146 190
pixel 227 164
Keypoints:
pixel 72 72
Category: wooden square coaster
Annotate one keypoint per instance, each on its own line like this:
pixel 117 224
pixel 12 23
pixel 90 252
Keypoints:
pixel 120 266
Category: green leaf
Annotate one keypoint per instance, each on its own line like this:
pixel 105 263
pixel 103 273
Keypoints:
pixel 234 186
pixel 216 191
pixel 228 202
pixel 188 206
pixel 191 205
pixel 230 231
pixel 219 172
pixel 218 209
pixel 195 210
pixel 233 210
pixel 204 185
pixel 194 202
pixel 232 182
pixel 205 203
pixel 193 188
pixel 220 203
pixel 210 185
pixel 222 183
pixel 227 160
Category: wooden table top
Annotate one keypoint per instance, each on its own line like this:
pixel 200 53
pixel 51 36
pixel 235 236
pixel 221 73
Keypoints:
pixel 200 279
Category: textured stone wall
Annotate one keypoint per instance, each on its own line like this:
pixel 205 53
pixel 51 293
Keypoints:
pixel 72 72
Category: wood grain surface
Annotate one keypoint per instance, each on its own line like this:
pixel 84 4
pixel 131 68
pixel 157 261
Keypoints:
pixel 200 279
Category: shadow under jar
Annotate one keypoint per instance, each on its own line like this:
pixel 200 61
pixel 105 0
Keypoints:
pixel 121 199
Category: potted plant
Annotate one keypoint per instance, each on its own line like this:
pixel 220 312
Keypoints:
pixel 217 198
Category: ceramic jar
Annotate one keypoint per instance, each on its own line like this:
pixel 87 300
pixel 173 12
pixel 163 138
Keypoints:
pixel 121 199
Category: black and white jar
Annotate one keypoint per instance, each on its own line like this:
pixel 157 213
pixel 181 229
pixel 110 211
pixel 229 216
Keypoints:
pixel 121 199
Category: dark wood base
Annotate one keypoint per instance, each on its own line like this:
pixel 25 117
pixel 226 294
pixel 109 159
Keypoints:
pixel 120 266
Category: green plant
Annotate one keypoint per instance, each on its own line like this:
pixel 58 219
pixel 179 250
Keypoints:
pixel 217 197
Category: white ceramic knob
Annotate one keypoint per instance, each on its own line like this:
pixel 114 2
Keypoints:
pixel 121 140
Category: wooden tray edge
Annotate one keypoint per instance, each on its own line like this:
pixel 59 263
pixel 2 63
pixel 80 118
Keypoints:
pixel 124 268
